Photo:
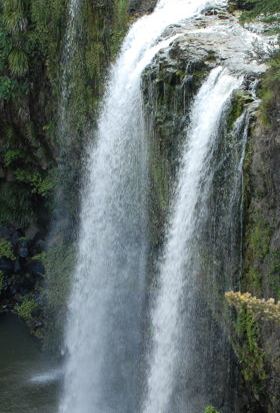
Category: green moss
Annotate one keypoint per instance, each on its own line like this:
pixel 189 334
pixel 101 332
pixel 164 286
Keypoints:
pixel 120 24
pixel 18 62
pixel 257 241
pixel 270 90
pixel 210 409
pixel 6 249
pixel 259 238
pixel 274 273
pixel 26 309
pixel 246 343
pixel 15 205
pixel 40 184
pixel 254 280
pixel 255 8
pixel 237 107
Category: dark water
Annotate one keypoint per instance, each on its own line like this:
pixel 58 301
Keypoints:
pixel 29 380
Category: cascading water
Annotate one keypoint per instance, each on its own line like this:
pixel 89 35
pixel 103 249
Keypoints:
pixel 103 335
pixel 174 312
pixel 66 173
pixel 69 49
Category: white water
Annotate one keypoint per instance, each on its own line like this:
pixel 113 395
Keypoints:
pixel 103 335
pixel 178 267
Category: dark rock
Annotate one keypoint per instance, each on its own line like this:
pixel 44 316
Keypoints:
pixel 36 268
pixel 6 265
pixel 242 4
pixel 22 249
pixel 40 245
pixel 15 236
pixel 5 232
pixel 17 267
pixel 141 6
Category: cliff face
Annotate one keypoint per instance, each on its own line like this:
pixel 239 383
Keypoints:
pixel 261 275
pixel 169 85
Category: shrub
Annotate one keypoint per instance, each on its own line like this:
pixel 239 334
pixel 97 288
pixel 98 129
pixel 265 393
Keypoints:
pixel 210 409
pixel 26 308
pixel 6 250
pixel 260 309
pixel 18 62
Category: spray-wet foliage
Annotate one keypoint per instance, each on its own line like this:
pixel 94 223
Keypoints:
pixel 32 60
pixel 254 8
pixel 31 49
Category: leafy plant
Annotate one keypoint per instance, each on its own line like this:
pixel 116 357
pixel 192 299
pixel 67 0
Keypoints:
pixel 11 155
pixel 6 250
pixel 259 308
pixel 246 338
pixel 18 62
pixel 26 308
pixel 40 185
pixel 210 409
pixel 15 205
pixel 254 8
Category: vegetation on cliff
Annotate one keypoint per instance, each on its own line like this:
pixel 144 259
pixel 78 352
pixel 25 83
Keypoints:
pixel 33 151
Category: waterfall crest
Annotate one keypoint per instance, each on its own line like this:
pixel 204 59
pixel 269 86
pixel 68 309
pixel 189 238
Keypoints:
pixel 180 266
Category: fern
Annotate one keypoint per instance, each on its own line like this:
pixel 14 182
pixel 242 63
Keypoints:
pixel 18 62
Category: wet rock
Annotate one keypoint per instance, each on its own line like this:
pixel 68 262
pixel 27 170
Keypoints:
pixel 15 236
pixel 17 267
pixel 36 268
pixel 242 4
pixel 6 265
pixel 142 6
pixel 22 249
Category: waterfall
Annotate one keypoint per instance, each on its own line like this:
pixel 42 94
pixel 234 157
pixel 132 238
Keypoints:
pixel 69 49
pixel 174 312
pixel 62 217
pixel 104 328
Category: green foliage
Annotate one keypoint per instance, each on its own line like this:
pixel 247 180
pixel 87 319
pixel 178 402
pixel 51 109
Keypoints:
pixel 259 238
pixel 6 88
pixel 15 205
pixel 239 100
pixel 6 249
pixel 210 409
pixel 12 155
pixel 254 8
pixel 248 350
pixel 270 91
pixel 40 185
pixel 260 309
pixel 18 62
pixel 14 15
pixel 26 309
pixel 31 47
pixel 274 273
pixel 120 24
